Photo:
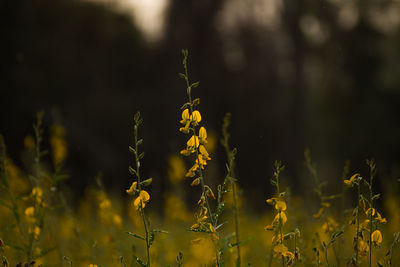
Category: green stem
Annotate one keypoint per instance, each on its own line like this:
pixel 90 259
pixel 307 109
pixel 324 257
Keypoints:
pixel 358 220
pixel 236 222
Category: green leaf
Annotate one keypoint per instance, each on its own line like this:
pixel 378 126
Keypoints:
pixel 183 76
pixel 139 142
pixel 377 196
pixel 132 171
pixel 135 235
pixel 132 150
pixel 141 155
pixel 194 85
pixel 196 102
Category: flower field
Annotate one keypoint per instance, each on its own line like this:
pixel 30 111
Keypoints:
pixel 356 226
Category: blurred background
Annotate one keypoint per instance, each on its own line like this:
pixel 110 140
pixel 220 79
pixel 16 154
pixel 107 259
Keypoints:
pixel 294 74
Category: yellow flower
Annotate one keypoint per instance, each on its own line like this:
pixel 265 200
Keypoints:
pixel 192 171
pixel 280 217
pixel 280 205
pixel 280 250
pixel 30 211
pixel 192 143
pixel 92 265
pixel 376 237
pixel 380 219
pixel 203 135
pixel 352 179
pixel 195 117
pixel 141 200
pixel 204 153
pixel 132 189
pixel 30 214
pixel 363 248
pixel 185 116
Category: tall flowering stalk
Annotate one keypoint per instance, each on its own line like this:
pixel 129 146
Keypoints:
pixel 280 219
pixel 136 190
pixel 373 218
pixel 231 153
pixel 191 118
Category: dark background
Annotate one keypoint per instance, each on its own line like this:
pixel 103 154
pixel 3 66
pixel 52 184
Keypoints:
pixel 323 75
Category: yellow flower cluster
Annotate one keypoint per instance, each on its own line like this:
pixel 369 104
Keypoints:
pixel 280 218
pixel 142 196
pixel 196 142
pixel 280 250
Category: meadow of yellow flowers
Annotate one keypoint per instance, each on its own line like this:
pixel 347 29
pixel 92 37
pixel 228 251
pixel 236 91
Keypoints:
pixel 355 227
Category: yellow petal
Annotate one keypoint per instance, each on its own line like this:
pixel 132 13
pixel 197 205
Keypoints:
pixel 132 189
pixel 136 203
pixel 144 196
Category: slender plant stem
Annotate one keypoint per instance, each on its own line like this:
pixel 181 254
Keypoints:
pixel 357 219
pixel 236 223
pixel 194 131
pixel 140 189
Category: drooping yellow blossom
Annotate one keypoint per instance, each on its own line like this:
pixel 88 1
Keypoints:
pixel 141 200
pixel 193 143
pixel 213 231
pixel 132 189
pixel 192 171
pixel 280 205
pixel 281 250
pixel 30 211
pixel 203 135
pixel 280 217
pixel 376 237
pixel 200 218
pixel 363 248
pixel 380 219
pixel 350 182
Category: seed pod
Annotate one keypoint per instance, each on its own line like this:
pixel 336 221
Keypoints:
pixel 195 182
